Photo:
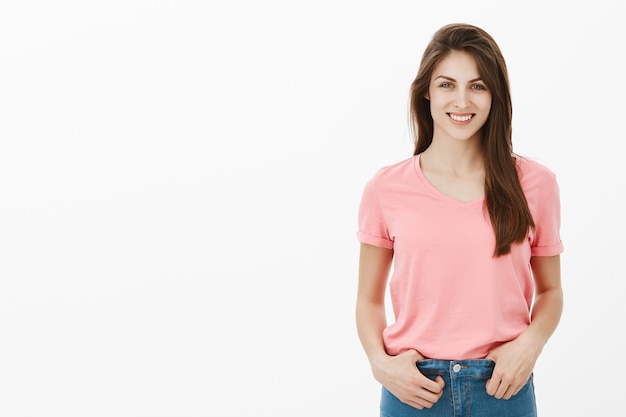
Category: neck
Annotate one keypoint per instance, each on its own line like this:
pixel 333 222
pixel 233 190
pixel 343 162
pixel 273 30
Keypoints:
pixel 454 156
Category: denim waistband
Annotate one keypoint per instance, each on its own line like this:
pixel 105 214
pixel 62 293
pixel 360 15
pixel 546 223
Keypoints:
pixel 468 367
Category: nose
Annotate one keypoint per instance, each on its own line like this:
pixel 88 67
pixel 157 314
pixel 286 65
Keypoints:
pixel 461 98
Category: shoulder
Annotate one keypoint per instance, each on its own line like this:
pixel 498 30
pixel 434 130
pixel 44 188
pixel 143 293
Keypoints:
pixel 395 172
pixel 533 173
pixel 538 182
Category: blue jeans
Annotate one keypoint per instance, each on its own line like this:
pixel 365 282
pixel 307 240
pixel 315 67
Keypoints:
pixel 464 395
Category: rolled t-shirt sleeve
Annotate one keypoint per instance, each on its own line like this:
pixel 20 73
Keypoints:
pixel 372 228
pixel 547 237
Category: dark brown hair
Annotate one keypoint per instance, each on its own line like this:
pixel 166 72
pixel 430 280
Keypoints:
pixel 504 199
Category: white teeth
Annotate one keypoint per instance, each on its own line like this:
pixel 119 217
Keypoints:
pixel 461 118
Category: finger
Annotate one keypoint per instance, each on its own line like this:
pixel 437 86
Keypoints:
pixel 435 386
pixel 508 394
pixel 517 390
pixel 491 386
pixel 512 391
pixel 495 388
pixel 417 402
pixel 502 389
pixel 417 405
pixel 520 386
pixel 421 403
pixel 428 396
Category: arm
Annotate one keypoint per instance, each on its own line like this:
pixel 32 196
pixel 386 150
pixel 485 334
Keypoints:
pixel 399 374
pixel 515 360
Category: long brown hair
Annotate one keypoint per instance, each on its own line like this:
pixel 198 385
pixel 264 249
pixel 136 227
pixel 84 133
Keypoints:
pixel 504 198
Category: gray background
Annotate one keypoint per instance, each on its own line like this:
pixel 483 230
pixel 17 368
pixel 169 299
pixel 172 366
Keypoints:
pixel 179 183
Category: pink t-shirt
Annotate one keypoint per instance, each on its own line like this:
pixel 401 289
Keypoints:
pixel 451 298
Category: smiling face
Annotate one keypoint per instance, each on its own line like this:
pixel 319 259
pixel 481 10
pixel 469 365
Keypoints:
pixel 459 100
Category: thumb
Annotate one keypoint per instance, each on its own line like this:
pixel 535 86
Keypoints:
pixel 439 380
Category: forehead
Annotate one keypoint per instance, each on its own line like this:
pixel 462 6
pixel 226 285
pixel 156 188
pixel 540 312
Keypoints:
pixel 458 65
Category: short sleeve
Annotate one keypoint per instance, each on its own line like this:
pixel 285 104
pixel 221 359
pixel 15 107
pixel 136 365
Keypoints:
pixel 547 238
pixel 372 226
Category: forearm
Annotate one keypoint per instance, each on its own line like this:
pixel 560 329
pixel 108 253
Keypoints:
pixel 370 322
pixel 374 265
pixel 545 315
pixel 548 304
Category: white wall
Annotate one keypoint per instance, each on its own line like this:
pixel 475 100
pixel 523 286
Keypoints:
pixel 179 183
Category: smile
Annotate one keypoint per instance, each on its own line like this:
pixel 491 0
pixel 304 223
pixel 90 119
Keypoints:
pixel 463 118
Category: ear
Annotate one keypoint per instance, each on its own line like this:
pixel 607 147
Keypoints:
pixel 427 96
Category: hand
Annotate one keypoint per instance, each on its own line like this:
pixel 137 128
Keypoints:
pixel 399 374
pixel 515 361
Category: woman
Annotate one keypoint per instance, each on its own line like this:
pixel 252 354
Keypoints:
pixel 472 232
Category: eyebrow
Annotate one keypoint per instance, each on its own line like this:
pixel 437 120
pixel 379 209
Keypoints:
pixel 452 79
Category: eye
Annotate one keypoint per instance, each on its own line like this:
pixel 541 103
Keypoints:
pixel 445 85
pixel 479 87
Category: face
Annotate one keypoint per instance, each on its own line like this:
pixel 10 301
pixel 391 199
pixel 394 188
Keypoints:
pixel 459 99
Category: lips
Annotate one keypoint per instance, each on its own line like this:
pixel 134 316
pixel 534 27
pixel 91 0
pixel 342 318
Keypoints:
pixel 462 118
